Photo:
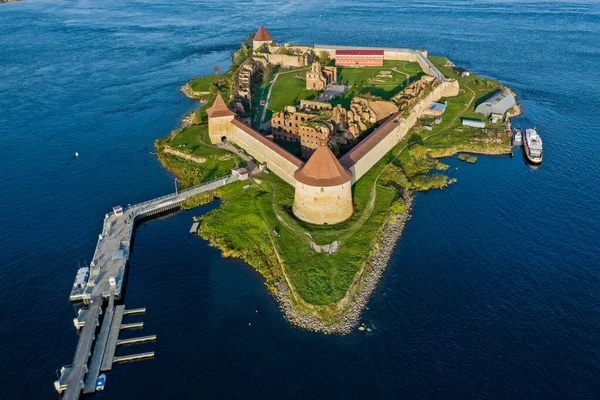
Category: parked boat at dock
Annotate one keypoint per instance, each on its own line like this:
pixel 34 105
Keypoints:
pixel 101 382
pixel 518 138
pixel 533 146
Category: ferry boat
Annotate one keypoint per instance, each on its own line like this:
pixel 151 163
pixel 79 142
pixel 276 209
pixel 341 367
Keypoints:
pixel 101 382
pixel 518 138
pixel 533 146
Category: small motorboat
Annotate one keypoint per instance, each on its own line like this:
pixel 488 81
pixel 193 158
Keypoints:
pixel 518 138
pixel 76 154
pixel 101 382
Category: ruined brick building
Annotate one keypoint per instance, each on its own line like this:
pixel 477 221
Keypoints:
pixel 317 78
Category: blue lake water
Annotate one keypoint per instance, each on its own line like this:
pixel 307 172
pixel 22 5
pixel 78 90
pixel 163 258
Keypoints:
pixel 493 292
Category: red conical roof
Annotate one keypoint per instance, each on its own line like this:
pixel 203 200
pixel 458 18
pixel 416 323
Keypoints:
pixel 323 168
pixel 219 108
pixel 262 35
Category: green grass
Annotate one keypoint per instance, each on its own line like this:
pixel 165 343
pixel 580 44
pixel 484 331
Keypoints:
pixel 206 82
pixel 196 141
pixel 242 225
pixel 364 80
pixel 289 89
pixel 218 162
pixel 239 229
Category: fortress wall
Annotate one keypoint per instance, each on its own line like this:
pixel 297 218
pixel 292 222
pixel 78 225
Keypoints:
pixel 419 56
pixel 286 60
pixel 367 153
pixel 278 160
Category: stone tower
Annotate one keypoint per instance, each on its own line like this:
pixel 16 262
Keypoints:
pixel 219 121
pixel 262 37
pixel 323 188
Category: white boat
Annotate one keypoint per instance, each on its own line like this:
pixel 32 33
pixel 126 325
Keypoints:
pixel 518 138
pixel 101 382
pixel 533 146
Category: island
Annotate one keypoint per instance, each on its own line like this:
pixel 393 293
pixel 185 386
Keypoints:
pixel 330 143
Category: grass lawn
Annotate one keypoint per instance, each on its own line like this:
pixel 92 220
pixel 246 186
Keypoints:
pixel 196 141
pixel 243 224
pixel 289 89
pixel 204 84
pixel 367 78
pixel 218 162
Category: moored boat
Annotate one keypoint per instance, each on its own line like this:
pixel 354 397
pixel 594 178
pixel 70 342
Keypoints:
pixel 101 382
pixel 518 138
pixel 533 146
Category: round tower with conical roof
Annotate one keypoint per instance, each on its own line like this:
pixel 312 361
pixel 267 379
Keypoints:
pixel 261 37
pixel 323 188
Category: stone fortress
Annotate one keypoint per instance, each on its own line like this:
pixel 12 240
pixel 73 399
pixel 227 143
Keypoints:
pixel 323 193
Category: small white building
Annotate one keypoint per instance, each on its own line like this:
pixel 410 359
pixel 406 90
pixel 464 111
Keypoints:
pixel 462 72
pixel 495 118
pixel 240 173
pixel 473 122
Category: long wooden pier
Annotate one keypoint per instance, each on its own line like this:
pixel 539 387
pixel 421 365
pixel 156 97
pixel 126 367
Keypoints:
pixel 103 282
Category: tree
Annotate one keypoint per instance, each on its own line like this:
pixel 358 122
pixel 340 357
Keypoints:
pixel 251 39
pixel 324 57
pixel 216 69
pixel 284 51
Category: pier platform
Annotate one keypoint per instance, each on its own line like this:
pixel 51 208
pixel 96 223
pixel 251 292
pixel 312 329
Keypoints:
pixel 104 284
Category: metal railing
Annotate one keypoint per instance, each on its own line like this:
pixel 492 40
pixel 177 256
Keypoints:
pixel 226 177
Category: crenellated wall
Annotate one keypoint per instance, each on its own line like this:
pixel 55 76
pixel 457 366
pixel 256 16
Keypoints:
pixel 367 153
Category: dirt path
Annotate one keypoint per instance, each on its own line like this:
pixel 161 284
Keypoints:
pixel 268 99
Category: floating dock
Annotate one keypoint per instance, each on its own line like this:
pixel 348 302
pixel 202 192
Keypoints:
pixel 135 311
pixel 141 339
pixel 133 325
pixel 134 357
pixel 103 283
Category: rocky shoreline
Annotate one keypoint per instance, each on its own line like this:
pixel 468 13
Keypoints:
pixel 351 316
pixel 191 93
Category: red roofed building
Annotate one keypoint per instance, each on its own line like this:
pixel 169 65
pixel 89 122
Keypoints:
pixel 359 58
pixel 261 37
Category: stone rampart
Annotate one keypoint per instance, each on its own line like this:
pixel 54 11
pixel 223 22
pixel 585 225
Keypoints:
pixel 367 153
pixel 278 160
